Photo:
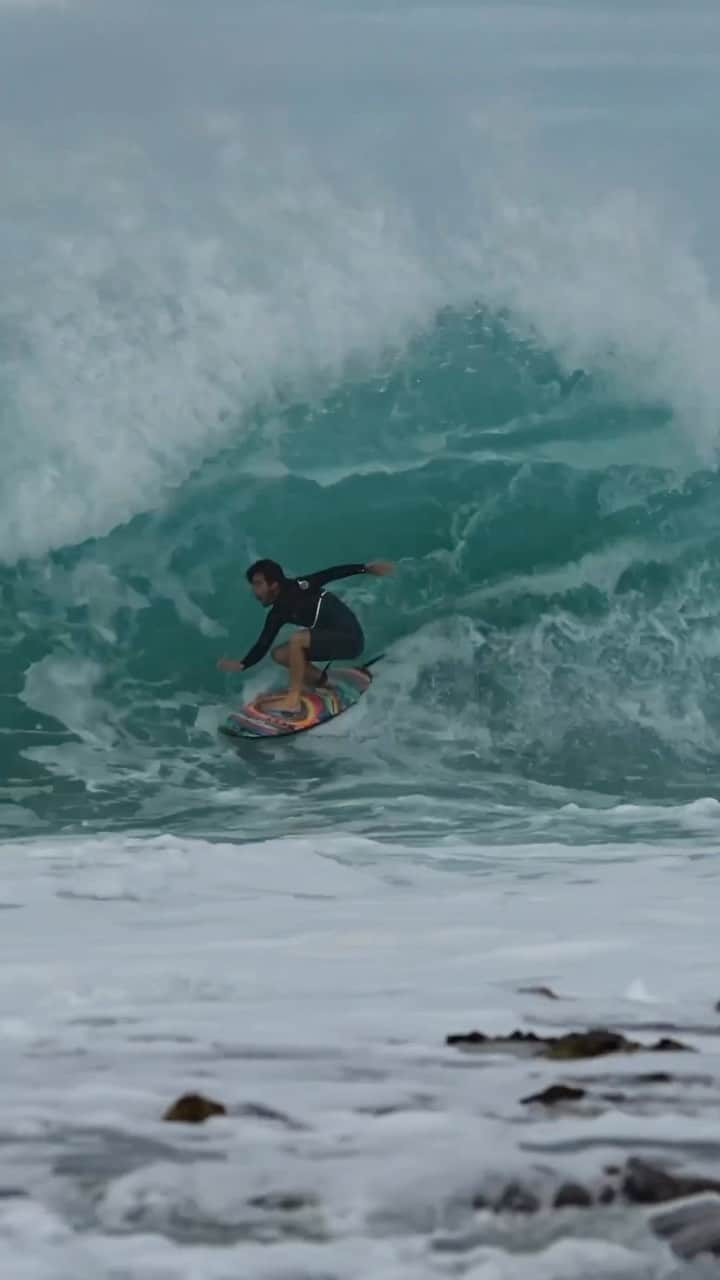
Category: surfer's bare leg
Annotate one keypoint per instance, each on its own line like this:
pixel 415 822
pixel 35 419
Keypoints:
pixel 313 675
pixel 297 646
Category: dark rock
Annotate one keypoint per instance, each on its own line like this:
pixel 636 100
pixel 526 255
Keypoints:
pixel 596 1043
pixel 470 1038
pixel 193 1108
pixel 607 1195
pixel 588 1044
pixel 517 1199
pixel 644 1183
pixel 571 1195
pixel 653 1077
pixel 554 1094
pixel 547 992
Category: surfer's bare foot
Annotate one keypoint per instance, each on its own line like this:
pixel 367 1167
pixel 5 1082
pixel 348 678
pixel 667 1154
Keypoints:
pixel 286 702
pixel 267 703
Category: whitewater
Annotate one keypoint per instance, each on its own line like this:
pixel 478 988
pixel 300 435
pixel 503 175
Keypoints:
pixel 330 283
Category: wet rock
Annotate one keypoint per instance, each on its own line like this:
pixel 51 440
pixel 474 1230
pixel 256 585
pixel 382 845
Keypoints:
pixel 645 1183
pixel 555 1094
pixel 690 1229
pixel 653 1077
pixel 572 1195
pixel 596 1043
pixel 517 1199
pixel 193 1108
pixel 472 1039
pixel 460 1039
pixel 547 992
pixel 589 1044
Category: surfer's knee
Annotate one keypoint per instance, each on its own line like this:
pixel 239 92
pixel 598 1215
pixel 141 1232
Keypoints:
pixel 280 655
pixel 300 640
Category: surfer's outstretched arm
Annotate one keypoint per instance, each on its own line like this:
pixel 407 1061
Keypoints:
pixel 259 649
pixel 380 568
pixel 264 640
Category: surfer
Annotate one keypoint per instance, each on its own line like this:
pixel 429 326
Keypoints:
pixel 329 629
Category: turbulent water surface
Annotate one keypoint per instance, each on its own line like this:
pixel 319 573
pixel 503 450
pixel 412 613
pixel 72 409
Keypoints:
pixel 334 282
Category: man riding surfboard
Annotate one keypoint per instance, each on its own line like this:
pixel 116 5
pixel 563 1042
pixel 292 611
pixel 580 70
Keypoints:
pixel 329 629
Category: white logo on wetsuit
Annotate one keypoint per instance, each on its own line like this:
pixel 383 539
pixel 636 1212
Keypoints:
pixel 304 585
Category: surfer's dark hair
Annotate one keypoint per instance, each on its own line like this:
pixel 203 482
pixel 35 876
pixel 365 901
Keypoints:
pixel 270 570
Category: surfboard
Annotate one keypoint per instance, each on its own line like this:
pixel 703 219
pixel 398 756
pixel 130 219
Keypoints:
pixel 344 689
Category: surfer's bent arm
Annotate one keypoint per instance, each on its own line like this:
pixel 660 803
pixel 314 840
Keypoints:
pixel 264 640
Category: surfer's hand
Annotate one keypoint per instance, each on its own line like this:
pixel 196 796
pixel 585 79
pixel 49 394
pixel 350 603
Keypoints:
pixel 381 568
pixel 229 664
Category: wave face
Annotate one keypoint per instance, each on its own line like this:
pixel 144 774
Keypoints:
pixel 227 340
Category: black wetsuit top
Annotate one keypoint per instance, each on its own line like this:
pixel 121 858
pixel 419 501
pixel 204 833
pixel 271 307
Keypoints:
pixel 303 603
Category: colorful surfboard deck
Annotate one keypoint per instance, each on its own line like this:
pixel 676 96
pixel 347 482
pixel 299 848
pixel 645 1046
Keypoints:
pixel 345 687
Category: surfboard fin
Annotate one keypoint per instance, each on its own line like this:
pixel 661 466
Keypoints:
pixel 371 662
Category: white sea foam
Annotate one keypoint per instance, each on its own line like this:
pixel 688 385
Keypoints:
pixel 308 984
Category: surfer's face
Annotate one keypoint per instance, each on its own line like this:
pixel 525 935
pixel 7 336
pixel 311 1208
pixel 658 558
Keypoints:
pixel 264 591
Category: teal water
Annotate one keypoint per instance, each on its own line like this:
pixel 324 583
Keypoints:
pixel 553 621
pixel 467 322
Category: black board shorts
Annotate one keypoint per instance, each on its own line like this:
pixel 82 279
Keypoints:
pixel 327 645
pixel 337 632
